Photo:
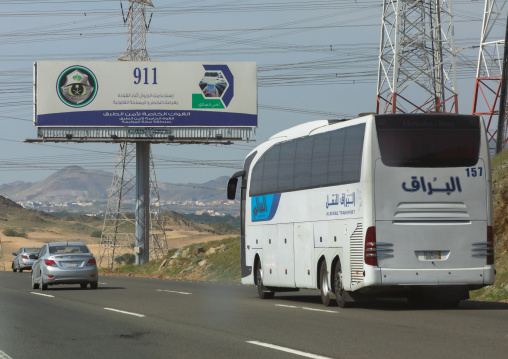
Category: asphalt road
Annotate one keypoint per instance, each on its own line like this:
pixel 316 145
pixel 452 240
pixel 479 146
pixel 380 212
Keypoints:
pixel 153 318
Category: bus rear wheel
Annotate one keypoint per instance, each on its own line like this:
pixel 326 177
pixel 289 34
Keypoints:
pixel 263 292
pixel 326 293
pixel 340 293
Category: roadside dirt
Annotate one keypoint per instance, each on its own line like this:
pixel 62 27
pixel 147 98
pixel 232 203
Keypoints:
pixel 176 239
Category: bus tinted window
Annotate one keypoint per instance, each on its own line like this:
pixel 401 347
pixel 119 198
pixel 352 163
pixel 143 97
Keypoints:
pixel 286 166
pixel 321 160
pixel 337 145
pixel 320 154
pixel 256 181
pixel 270 169
pixel 352 159
pixel 303 162
pixel 428 140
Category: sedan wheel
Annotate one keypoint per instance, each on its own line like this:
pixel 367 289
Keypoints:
pixel 34 285
pixel 43 286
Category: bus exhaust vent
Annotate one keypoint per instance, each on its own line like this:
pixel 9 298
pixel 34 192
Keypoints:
pixel 356 248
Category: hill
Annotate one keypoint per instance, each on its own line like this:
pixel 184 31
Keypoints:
pixel 499 291
pixel 72 183
pixel 12 212
pixel 25 227
pixel 75 184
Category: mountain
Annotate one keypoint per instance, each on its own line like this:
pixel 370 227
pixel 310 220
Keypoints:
pixel 74 184
pixel 214 190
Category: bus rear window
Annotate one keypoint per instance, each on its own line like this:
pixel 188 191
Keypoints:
pixel 428 140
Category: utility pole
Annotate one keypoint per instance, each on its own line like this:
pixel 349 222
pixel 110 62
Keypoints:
pixel 417 58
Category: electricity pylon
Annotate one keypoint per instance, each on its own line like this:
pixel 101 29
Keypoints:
pixel 136 40
pixel 417 58
pixel 489 71
pixel 118 235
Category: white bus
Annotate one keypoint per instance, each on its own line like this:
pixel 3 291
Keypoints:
pixel 381 205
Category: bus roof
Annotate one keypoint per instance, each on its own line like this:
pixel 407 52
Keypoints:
pixel 308 128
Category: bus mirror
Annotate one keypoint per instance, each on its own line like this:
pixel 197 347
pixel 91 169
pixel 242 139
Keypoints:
pixel 232 187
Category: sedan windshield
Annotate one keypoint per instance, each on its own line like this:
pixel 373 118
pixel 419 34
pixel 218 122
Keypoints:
pixel 32 249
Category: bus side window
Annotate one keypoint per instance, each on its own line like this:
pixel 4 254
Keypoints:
pixel 303 162
pixel 286 166
pixel 320 154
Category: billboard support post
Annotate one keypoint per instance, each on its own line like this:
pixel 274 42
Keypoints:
pixel 142 202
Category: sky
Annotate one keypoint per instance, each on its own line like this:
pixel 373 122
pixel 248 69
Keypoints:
pixel 316 60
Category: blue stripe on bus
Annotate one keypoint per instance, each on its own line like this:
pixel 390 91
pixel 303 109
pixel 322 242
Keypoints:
pixel 263 208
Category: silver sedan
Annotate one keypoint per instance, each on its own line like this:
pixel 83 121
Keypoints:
pixel 24 258
pixel 65 263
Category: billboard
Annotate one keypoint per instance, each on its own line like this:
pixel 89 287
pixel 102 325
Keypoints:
pixel 114 94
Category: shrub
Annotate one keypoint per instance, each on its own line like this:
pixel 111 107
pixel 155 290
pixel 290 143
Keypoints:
pixel 127 258
pixel 96 234
pixel 11 232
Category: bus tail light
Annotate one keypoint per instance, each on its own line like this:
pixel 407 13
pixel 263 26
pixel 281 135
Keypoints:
pixel 490 245
pixel 370 247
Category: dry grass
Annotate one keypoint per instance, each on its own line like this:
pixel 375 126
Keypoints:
pixel 176 239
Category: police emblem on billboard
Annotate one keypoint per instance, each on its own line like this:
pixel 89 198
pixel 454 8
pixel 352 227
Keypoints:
pixel 77 86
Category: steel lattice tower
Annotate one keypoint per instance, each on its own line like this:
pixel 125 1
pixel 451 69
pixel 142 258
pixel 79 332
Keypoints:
pixel 489 71
pixel 136 41
pixel 417 58
pixel 119 223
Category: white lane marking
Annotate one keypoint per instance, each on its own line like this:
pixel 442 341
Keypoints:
pixel 171 291
pixel 101 283
pixel 44 295
pixel 124 312
pixel 288 350
pixel 4 355
pixel 306 308
pixel 286 306
pixel 320 310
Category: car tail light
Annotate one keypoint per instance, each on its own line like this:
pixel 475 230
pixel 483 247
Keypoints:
pixel 91 262
pixel 490 245
pixel 24 256
pixel 50 263
pixel 370 247
pixel 51 276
